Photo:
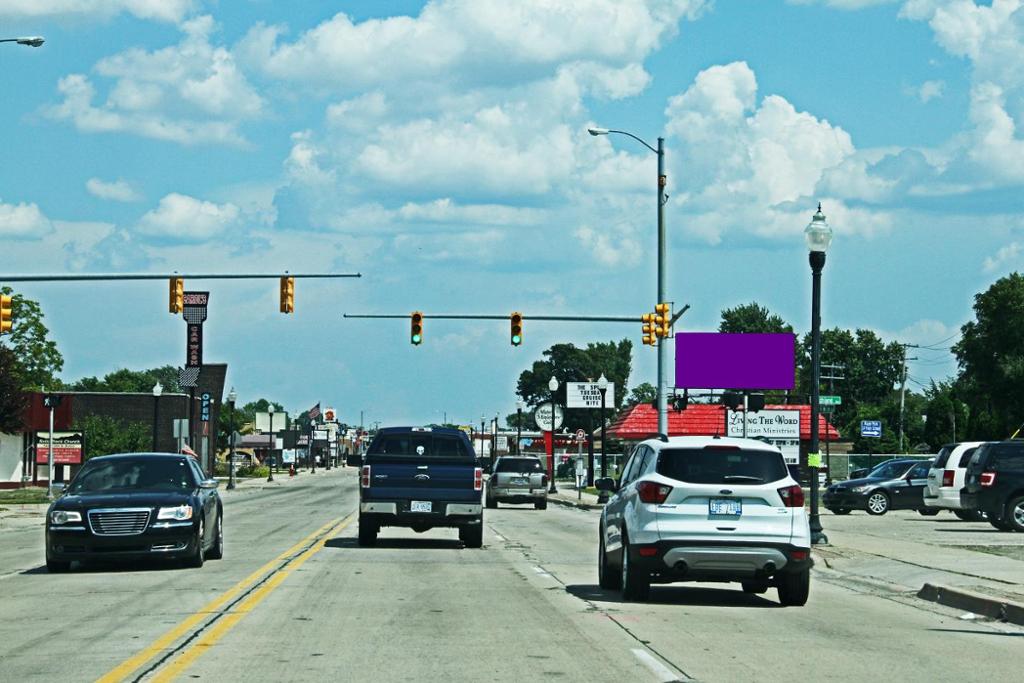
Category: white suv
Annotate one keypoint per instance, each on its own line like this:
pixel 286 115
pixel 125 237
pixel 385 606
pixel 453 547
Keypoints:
pixel 696 508
pixel 947 477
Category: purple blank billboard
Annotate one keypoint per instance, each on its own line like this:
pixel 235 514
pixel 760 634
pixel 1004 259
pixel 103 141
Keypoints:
pixel 715 360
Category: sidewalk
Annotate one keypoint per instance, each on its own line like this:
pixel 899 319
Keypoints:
pixel 568 496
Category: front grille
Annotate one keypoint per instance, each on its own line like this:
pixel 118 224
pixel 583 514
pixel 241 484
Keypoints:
pixel 119 521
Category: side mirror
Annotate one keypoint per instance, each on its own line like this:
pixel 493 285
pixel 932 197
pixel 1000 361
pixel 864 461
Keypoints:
pixel 487 468
pixel 59 488
pixel 606 484
pixel 209 484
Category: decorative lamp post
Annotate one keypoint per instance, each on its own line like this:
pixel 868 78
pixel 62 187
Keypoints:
pixel 519 426
pixel 553 387
pixel 31 41
pixel 157 390
pixel 818 235
pixel 270 447
pixel 482 420
pixel 602 386
pixel 662 255
pixel 232 397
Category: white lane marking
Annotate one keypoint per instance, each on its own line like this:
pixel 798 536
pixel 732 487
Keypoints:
pixel 541 571
pixel 499 537
pixel 664 674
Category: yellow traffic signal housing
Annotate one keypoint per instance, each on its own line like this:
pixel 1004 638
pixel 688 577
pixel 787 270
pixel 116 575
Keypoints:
pixel 663 320
pixel 6 313
pixel 650 329
pixel 416 328
pixel 177 299
pixel 287 295
pixel 516 328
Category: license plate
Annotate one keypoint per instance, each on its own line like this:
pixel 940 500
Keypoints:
pixel 520 481
pixel 421 506
pixel 725 506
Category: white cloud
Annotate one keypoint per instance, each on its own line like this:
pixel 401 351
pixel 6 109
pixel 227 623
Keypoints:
pixel 930 90
pixel 157 10
pixel 117 190
pixel 188 219
pixel 608 248
pixel 191 93
pixel 844 4
pixel 1006 257
pixel 996 146
pixel 448 211
pixel 23 221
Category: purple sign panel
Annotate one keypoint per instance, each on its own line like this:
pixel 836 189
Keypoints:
pixel 715 360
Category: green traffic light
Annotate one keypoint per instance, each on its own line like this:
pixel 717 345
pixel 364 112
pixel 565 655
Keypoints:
pixel 516 340
pixel 416 339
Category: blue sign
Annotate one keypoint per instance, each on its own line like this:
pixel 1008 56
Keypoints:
pixel 204 406
pixel 871 428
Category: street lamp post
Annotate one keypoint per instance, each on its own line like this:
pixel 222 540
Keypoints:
pixel 270 448
pixel 553 387
pixel 494 441
pixel 157 390
pixel 519 427
pixel 31 41
pixel 602 386
pixel 818 235
pixel 232 397
pixel 482 436
pixel 662 258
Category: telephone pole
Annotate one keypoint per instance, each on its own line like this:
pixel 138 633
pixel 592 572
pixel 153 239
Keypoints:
pixel 903 385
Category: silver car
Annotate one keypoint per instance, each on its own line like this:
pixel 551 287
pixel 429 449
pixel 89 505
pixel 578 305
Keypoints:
pixel 518 479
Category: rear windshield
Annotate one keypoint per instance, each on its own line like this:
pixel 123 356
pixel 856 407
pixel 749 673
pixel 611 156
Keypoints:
pixel 1006 457
pixel 966 457
pixel 942 457
pixel 158 474
pixel 715 466
pixel 519 465
pixel 420 444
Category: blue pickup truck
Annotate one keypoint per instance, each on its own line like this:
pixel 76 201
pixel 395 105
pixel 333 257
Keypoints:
pixel 421 478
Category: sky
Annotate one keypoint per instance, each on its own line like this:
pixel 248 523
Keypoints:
pixel 440 149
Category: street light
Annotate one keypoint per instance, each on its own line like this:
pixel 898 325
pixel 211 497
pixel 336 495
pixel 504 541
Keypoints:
pixel 270 448
pixel 602 386
pixel 662 297
pixel 519 427
pixel 157 390
pixel 232 397
pixel 31 41
pixel 553 387
pixel 818 235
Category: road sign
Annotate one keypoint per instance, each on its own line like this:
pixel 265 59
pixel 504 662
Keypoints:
pixel 871 428
pixel 502 444
pixel 542 417
pixel 581 435
pixel 830 400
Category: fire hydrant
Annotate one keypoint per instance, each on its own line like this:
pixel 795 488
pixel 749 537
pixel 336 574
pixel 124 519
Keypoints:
pixel 291 470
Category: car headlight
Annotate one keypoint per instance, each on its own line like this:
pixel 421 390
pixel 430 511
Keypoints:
pixel 65 516
pixel 860 489
pixel 180 513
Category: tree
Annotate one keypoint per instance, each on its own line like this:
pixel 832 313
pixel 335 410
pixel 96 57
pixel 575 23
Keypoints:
pixel 131 381
pixel 642 393
pixel 13 399
pixel 37 355
pixel 105 435
pixel 752 318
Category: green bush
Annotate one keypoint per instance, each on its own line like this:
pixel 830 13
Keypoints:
pixel 256 471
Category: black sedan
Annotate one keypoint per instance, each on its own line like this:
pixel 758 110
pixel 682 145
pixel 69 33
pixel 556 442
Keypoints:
pixel 132 506
pixel 893 485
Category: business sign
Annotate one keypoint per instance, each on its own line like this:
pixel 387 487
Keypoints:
pixel 502 444
pixel 542 417
pixel 587 395
pixel 205 399
pixel 871 428
pixel 194 312
pixel 67 448
pixel 329 414
pixel 288 456
pixel 266 424
pixel 713 360
pixel 770 424
pixel 320 435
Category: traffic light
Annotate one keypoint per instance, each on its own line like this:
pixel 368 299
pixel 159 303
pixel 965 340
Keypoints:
pixel 6 313
pixel 663 320
pixel 650 337
pixel 177 299
pixel 416 328
pixel 287 295
pixel 517 328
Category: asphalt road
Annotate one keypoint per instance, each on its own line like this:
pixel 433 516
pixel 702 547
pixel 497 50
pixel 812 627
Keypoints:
pixel 287 603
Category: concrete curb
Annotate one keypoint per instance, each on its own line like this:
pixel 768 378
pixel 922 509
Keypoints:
pixel 995 608
pixel 574 504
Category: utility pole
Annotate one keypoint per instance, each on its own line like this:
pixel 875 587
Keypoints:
pixel 903 385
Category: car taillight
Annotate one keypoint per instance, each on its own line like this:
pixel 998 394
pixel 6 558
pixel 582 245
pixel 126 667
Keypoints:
pixel 365 479
pixel 653 492
pixel 792 496
pixel 988 478
pixel 798 555
pixel 543 480
pixel 478 479
pixel 947 477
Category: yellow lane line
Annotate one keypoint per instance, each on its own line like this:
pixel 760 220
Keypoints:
pixel 229 620
pixel 127 667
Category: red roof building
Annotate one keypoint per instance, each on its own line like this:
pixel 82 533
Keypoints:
pixel 702 419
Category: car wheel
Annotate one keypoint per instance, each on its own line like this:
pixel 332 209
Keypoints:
pixel 636 582
pixel 878 503
pixel 794 588
pixel 969 515
pixel 1000 524
pixel 755 587
pixel 57 566
pixel 472 536
pixel 199 554
pixel 607 577
pixel 839 511
pixel 367 532
pixel 1016 514
pixel 217 551
pixel 541 504
pixel 490 502
pixel 927 512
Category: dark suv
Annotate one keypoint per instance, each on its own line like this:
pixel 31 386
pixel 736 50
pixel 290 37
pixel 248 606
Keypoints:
pixel 995 484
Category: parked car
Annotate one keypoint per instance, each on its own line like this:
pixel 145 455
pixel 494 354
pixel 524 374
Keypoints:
pixel 516 479
pixel 946 480
pixel 705 509
pixel 421 478
pixel 862 472
pixel 138 505
pixel 995 484
pixel 894 485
